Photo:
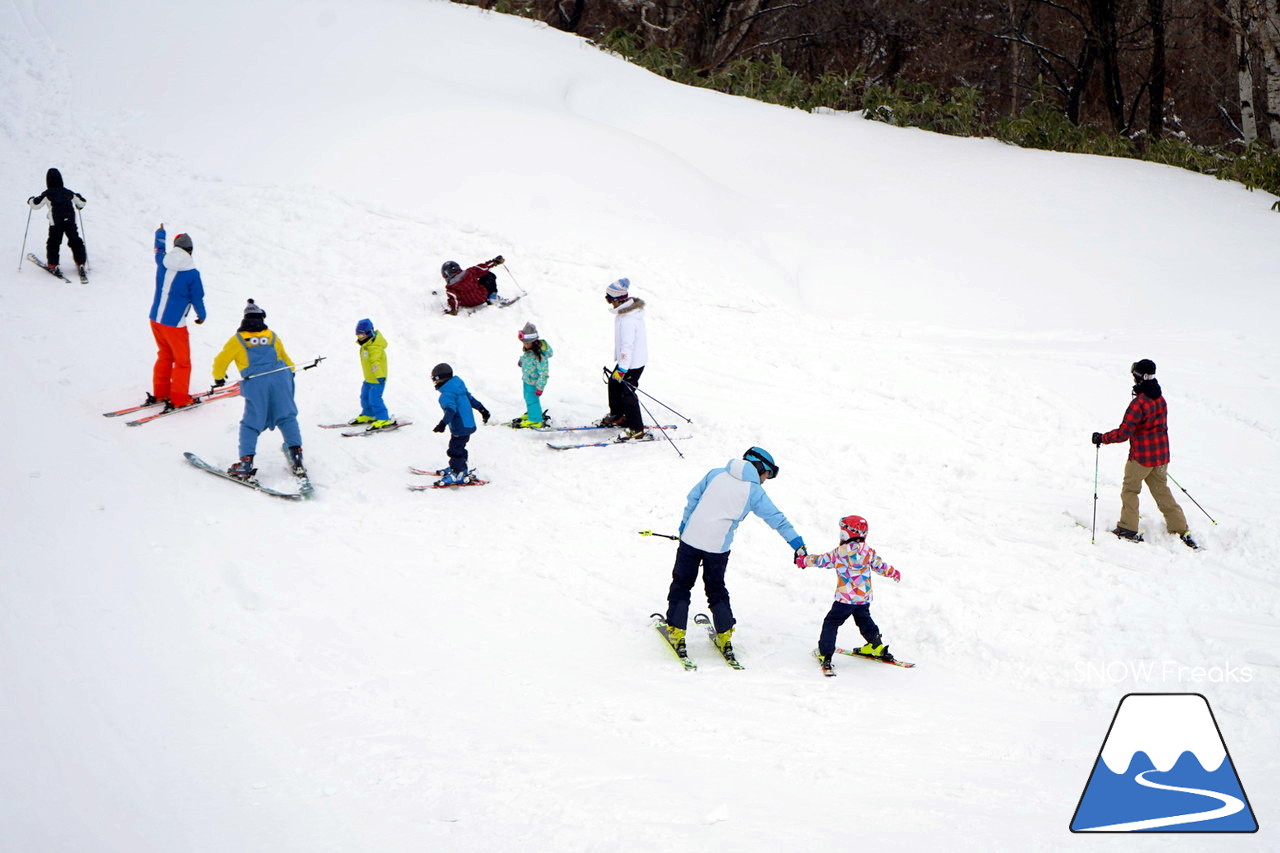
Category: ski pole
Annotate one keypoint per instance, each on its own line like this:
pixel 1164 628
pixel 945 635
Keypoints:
pixel 650 416
pixel 635 388
pixel 513 278
pixel 80 213
pixel 278 369
pixel 22 257
pixel 663 535
pixel 1093 534
pixel 1193 500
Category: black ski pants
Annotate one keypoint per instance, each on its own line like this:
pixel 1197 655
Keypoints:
pixel 836 617
pixel 54 246
pixel 458 451
pixel 685 574
pixel 625 401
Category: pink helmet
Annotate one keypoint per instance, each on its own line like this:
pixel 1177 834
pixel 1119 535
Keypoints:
pixel 853 527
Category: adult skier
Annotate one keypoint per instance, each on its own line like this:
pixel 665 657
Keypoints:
pixel 62 205
pixel 1146 427
pixel 715 506
pixel 471 287
pixel 267 388
pixel 456 403
pixel 178 290
pixel 630 355
pixel 373 362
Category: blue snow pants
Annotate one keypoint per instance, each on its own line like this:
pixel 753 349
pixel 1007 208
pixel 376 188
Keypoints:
pixel 371 405
pixel 458 452
pixel 836 617
pixel 683 576
pixel 532 403
pixel 268 404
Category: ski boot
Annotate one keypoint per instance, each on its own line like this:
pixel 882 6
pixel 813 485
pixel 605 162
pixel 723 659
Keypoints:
pixel 151 400
pixel 360 420
pixel 1125 533
pixel 722 642
pixel 634 435
pixel 824 661
pixel 876 650
pixel 610 420
pixel 382 424
pixel 1188 541
pixel 295 462
pixel 170 407
pixel 453 478
pixel 243 470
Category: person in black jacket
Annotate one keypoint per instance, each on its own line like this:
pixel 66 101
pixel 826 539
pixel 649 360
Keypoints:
pixel 62 204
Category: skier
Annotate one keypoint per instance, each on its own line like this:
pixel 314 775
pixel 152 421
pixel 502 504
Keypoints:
pixel 373 360
pixel 268 396
pixel 456 402
pixel 854 561
pixel 630 354
pixel 471 287
pixel 534 369
pixel 1146 427
pixel 178 290
pixel 63 204
pixel 716 504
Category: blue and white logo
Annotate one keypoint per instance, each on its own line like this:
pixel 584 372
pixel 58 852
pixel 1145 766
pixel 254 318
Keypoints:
pixel 1164 768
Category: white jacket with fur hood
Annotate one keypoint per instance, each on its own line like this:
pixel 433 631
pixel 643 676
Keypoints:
pixel 630 343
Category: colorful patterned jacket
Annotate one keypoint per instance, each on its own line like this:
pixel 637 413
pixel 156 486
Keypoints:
pixel 1145 426
pixel 854 562
pixel 533 370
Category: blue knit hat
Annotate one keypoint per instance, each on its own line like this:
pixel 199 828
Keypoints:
pixel 364 327
pixel 618 289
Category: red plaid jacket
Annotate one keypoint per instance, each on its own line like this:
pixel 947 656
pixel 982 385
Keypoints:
pixel 1146 427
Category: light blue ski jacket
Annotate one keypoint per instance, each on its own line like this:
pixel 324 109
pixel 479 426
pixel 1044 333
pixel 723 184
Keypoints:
pixel 722 499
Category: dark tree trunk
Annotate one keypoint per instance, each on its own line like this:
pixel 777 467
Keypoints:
pixel 1155 95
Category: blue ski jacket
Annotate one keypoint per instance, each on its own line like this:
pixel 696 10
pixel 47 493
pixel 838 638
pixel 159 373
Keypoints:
pixel 721 500
pixel 178 286
pixel 457 403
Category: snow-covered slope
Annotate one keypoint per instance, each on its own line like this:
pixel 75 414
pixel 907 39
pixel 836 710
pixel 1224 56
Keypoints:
pixel 923 331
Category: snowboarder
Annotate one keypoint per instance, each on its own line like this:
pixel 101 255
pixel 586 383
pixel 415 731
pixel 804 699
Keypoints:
pixel 534 369
pixel 456 402
pixel 630 354
pixel 1146 427
pixel 716 504
pixel 178 290
pixel 854 561
pixel 373 361
pixel 63 204
pixel 268 395
pixel 471 287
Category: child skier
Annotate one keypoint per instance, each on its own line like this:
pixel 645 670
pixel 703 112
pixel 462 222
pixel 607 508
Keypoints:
pixel 373 360
pixel 534 371
pixel 457 403
pixel 472 287
pixel 63 204
pixel 854 561
pixel 267 389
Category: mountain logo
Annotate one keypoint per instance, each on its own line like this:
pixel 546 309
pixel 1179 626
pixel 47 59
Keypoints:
pixel 1163 767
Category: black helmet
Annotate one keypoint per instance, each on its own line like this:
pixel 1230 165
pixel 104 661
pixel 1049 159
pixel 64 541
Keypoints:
pixel 449 269
pixel 441 374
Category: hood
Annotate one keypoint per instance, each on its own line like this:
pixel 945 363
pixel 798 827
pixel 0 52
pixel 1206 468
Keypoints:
pixel 179 261
pixel 741 469
pixel 53 179
pixel 632 304
pixel 1148 387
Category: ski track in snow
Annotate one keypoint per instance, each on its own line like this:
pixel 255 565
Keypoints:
pixel 473 669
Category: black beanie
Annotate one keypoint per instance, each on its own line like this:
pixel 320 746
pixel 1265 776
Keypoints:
pixel 1144 367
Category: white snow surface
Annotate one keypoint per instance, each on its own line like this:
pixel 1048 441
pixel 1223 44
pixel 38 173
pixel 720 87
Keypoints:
pixel 923 330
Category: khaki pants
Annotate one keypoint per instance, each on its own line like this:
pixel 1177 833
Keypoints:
pixel 1135 474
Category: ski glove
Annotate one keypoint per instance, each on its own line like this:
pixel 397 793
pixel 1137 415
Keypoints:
pixel 893 574
pixel 800 558
pixel 617 374
pixel 537 392
pixel 440 427
pixel 484 416
pixel 218 383
pixel 498 260
pixel 1097 438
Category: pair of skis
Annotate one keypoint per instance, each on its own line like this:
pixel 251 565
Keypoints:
pixel 57 273
pixel 367 430
pixel 197 400
pixel 305 489
pixel 664 630
pixel 650 435
pixel 423 472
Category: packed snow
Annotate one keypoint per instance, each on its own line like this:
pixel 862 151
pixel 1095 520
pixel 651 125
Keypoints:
pixel 922 330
